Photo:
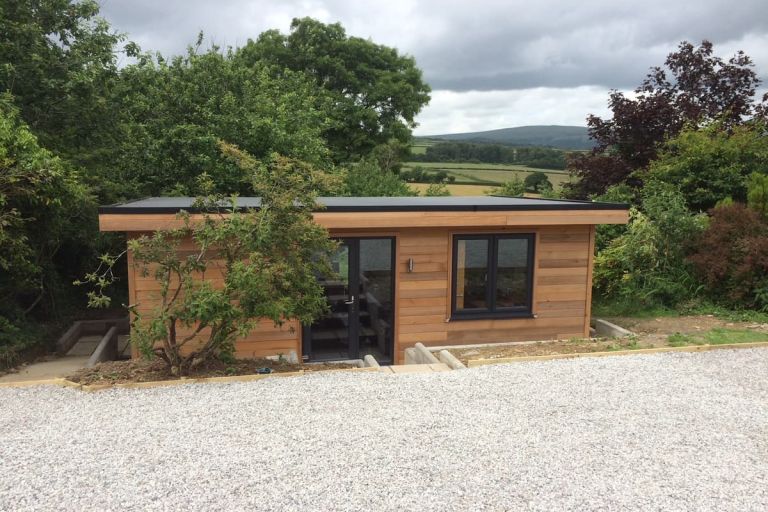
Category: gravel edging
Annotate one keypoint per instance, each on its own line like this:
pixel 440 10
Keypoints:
pixel 667 431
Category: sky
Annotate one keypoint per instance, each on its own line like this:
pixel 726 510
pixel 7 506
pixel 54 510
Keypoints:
pixel 491 64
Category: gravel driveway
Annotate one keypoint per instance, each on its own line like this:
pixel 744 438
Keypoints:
pixel 664 432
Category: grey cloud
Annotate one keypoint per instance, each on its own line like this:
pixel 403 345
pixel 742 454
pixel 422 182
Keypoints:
pixel 490 45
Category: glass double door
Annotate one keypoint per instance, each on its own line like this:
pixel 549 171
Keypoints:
pixel 360 295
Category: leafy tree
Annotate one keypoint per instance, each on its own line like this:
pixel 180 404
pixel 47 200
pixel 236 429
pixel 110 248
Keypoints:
pixel 367 179
pixel 512 188
pixel 647 266
pixel 47 230
pixel 537 182
pixel 694 87
pixel 58 60
pixel 437 190
pixel 174 111
pixel 711 163
pixel 376 91
pixel 267 259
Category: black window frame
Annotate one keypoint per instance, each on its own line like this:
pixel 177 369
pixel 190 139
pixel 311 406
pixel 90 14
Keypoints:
pixel 490 287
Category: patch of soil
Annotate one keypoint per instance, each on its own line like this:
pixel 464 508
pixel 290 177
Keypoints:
pixel 545 348
pixel 140 370
pixel 682 324
pixel 650 333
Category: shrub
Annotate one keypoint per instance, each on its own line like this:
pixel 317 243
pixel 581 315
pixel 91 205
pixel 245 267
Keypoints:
pixel 731 257
pixel 268 260
pixel 437 190
pixel 367 179
pixel 647 265
pixel 513 188
pixel 537 182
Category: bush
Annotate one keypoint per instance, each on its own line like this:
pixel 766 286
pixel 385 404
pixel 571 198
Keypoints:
pixel 514 188
pixel 537 182
pixel 437 190
pixel 367 179
pixel 731 257
pixel 647 265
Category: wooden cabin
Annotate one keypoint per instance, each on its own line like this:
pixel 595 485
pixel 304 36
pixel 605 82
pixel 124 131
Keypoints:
pixel 435 270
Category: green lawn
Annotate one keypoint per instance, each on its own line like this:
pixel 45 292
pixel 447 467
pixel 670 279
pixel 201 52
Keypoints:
pixel 490 174
pixel 717 336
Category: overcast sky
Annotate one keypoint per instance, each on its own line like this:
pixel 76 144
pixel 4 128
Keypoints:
pixel 491 63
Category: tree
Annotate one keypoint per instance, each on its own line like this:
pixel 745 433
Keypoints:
pixel 694 87
pixel 47 230
pixel 268 260
pixel 712 163
pixel 437 190
pixel 59 63
pixel 367 179
pixel 376 91
pixel 537 182
pixel 512 188
pixel 173 112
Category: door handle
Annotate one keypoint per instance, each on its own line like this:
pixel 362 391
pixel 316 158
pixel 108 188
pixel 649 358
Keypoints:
pixel 350 301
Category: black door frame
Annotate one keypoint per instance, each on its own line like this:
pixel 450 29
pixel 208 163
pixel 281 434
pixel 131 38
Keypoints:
pixel 353 242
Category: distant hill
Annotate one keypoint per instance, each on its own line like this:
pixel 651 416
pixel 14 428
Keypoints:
pixel 562 137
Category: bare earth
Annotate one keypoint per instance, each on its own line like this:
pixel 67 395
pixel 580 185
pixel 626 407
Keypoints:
pixel 651 333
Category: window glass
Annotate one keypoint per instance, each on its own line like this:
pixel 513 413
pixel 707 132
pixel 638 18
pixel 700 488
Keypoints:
pixel 492 275
pixel 471 274
pixel 511 287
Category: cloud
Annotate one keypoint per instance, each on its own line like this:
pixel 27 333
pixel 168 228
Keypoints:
pixel 510 49
pixel 452 112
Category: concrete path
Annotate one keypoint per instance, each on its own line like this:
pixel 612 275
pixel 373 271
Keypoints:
pixel 59 367
pixel 416 368
pixel 55 368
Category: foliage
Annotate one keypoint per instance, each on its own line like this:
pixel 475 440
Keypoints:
pixel 731 257
pixel 367 179
pixel 418 174
pixel 757 193
pixel 537 182
pixel 173 112
pixel 693 88
pixel 376 91
pixel 647 265
pixel 47 229
pixel 513 188
pixel 390 156
pixel 711 163
pixel 59 63
pixel 267 259
pixel 545 158
pixel 437 190
pixel 605 233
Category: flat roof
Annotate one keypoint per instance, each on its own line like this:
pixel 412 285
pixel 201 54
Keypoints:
pixel 377 204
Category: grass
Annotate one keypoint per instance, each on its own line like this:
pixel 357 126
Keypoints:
pixel 490 174
pixel 696 307
pixel 717 336
pixel 455 190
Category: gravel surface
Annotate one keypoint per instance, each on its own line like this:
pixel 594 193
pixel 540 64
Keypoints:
pixel 684 431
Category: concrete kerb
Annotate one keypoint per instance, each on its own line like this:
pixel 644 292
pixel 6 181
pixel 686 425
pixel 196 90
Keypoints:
pixel 473 363
pixel 450 360
pixel 610 330
pixel 419 354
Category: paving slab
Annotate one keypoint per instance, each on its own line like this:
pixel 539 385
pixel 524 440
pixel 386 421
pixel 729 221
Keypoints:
pixel 52 369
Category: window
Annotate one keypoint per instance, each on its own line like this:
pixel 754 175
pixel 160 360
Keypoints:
pixel 492 275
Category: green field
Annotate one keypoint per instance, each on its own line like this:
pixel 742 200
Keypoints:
pixel 490 174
